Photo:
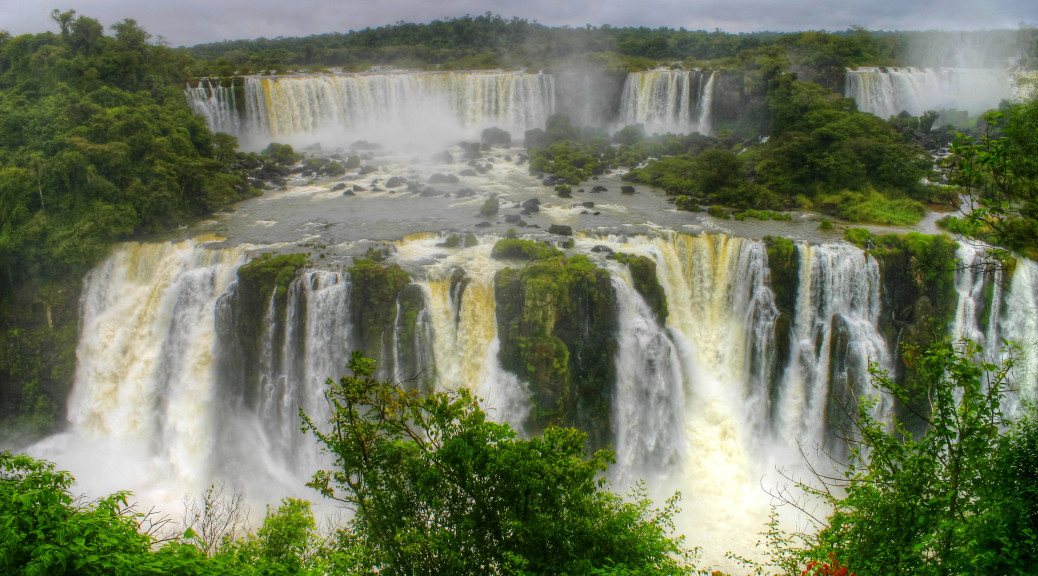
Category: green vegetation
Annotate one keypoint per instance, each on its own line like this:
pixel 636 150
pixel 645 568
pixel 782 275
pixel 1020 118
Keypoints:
pixel 523 250
pixel 373 303
pixel 958 498
pixel 478 498
pixel 822 153
pixel 999 173
pixel 556 321
pixel 97 144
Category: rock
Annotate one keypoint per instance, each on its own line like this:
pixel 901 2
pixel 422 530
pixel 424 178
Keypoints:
pixel 601 248
pixel 599 189
pixel 588 204
pixel 443 179
pixel 549 181
pixel 348 193
pixel 444 157
pixel 464 193
pixel 560 230
pixel 512 218
pixel 531 205
pixel 339 186
pixel 484 224
pixel 627 189
pixel 581 190
pixel 359 188
pixel 563 191
pixel 396 182
pixel 431 193
pixel 495 136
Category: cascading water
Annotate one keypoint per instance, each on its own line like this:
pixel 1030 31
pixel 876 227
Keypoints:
pixel 406 106
pixel 703 403
pixel 216 103
pixel 677 101
pixel 835 336
pixel 146 402
pixel 887 92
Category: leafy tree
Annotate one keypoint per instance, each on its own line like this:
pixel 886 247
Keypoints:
pixel 439 489
pixel 954 500
pixel 999 174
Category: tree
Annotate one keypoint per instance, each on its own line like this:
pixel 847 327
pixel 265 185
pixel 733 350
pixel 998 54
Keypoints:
pixel 438 489
pixel 952 501
pixel 999 174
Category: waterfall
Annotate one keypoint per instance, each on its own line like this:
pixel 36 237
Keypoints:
pixel 216 103
pixel 887 92
pixel 1018 322
pixel 678 101
pixel 404 105
pixel 146 383
pixel 836 336
pixel 460 296
pixel 701 402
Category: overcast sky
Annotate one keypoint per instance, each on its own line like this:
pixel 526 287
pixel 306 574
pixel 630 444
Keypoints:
pixel 188 22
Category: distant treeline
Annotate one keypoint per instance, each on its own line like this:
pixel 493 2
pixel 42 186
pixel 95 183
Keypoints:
pixel 490 41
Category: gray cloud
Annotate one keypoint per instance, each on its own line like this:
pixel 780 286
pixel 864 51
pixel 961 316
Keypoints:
pixel 186 22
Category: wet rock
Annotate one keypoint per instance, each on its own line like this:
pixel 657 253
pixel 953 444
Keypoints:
pixel 531 205
pixel 599 189
pixel 560 229
pixel 396 182
pixel 443 179
pixel 484 224
pixel 339 186
pixel 512 218
pixel 464 193
pixel 588 204
pixel 359 188
pixel 627 190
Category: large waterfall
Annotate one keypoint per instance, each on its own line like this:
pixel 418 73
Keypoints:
pixel 342 108
pixel 887 92
pixel 708 400
pixel 677 101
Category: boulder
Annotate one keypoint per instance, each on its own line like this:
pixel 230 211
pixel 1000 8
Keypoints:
pixel 396 182
pixel 339 186
pixel 560 229
pixel 443 179
pixel 627 189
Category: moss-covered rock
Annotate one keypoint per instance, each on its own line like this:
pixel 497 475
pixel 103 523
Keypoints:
pixel 784 272
pixel 557 322
pixel 919 298
pixel 373 307
pixel 261 281
pixel 412 369
pixel 518 249
pixel 643 273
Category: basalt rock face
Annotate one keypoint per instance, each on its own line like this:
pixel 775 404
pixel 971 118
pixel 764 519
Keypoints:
pixel 646 282
pixel 784 270
pixel 918 299
pixel 373 308
pixel 252 313
pixel 557 320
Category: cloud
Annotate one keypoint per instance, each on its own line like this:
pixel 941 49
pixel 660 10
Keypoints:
pixel 187 22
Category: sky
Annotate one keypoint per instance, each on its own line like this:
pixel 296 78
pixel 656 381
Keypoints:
pixel 188 22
